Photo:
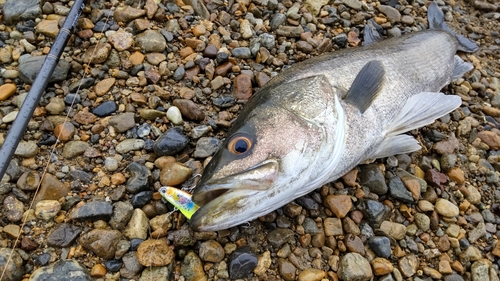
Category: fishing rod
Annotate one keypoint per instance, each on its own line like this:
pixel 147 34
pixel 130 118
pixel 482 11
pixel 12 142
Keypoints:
pixel 18 128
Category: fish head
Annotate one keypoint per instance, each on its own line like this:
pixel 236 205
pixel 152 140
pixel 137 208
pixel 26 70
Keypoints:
pixel 270 153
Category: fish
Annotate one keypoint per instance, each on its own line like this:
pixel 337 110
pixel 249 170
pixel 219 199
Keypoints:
pixel 179 199
pixel 320 118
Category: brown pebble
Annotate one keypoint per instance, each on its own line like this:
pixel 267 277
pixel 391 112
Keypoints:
pixel 305 240
pixel 210 51
pixel 199 30
pixel 84 117
pixel 318 240
pixel 434 178
pixel 350 178
pixel 104 86
pixel 381 266
pixel 340 205
pixel 354 244
pixel 357 216
pixel 136 58
pixel 155 253
pixel 98 271
pixel 444 267
pixel 189 109
pixel 443 243
pixel 28 245
pixel 117 179
pixel 490 138
pixel 262 78
pixel 6 91
pixel 456 175
pixel 174 174
pixel 223 69
pixel 64 131
pixel 187 51
pixel 242 87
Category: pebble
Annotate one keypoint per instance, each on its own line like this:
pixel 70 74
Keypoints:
pixel 381 246
pixel 95 210
pixel 126 14
pixel 408 265
pixel 73 149
pixel 192 268
pixel 47 209
pixel 14 270
pixel 354 4
pixel 381 266
pixel 61 270
pixel 123 122
pixel 241 263
pixel 105 109
pixel 14 208
pixel 286 269
pixel 138 225
pixel 189 109
pixel 373 178
pixel 121 40
pixel 174 174
pixel 154 273
pixel 103 86
pixel 174 115
pixel 129 145
pixel 122 212
pixel 26 149
pixel 211 251
pixel 138 180
pixel 354 266
pixel 51 189
pixel 394 230
pixel 151 41
pixel 446 208
pixel 49 28
pixel 340 205
pixel 263 263
pixel 65 131
pixel 280 236
pixel 154 253
pixel 101 242
pixel 422 221
pixel 171 143
pixel 391 13
pixel 398 190
pixel 206 146
pixel 6 91
pixel 311 274
pixel 63 235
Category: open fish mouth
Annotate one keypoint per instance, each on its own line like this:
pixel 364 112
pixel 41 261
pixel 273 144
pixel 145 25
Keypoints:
pixel 260 177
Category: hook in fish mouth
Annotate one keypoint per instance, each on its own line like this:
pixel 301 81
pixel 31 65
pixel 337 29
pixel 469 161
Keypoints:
pixel 259 177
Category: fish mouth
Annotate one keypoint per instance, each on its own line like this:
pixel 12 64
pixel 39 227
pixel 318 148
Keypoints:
pixel 259 177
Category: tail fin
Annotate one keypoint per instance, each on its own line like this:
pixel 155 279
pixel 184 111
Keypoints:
pixel 436 21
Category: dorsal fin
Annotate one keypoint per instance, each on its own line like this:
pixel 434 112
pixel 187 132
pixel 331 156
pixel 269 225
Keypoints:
pixel 366 85
pixel 372 33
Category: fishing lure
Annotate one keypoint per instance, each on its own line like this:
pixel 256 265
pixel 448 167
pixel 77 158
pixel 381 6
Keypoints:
pixel 180 199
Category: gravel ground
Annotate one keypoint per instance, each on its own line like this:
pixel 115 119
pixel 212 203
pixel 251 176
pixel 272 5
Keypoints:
pixel 151 87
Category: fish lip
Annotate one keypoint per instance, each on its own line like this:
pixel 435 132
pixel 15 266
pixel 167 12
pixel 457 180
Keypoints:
pixel 213 189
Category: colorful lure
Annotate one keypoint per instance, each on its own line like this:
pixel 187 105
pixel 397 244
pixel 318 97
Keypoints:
pixel 180 199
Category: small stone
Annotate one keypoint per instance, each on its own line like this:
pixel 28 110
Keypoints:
pixel 456 175
pixel 394 230
pixel 171 143
pixel 6 91
pixel 48 28
pixel 286 269
pixel 381 266
pixel 129 145
pixel 199 30
pixel 103 86
pixel 280 236
pixel 155 253
pixel 138 225
pixel 138 180
pixel 26 149
pixel 63 235
pixel 211 251
pixel 64 131
pixel 98 271
pixel 105 109
pixel 126 14
pixel 480 270
pixel 29 69
pixel 242 87
pixel 263 263
pixel 122 212
pixel 311 274
pixel 92 211
pixel 61 270
pixel 422 221
pixel 123 122
pixel 192 268
pixel 51 189
pixel 206 146
pixel 432 273
pixel 73 149
pixel 333 227
pixel 373 178
pixel 174 174
pixel 97 54
pixel 446 208
pixel 189 109
pixel 121 40
pixel 151 41
pixel 13 208
pixel 408 265
pixel 47 209
pixel 390 12
pixel 340 205
pixel 12 230
pixel 101 242
pixel 174 115
pixel 381 246
pixel 241 263
pixel 353 266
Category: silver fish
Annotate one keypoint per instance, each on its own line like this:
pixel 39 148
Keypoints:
pixel 320 118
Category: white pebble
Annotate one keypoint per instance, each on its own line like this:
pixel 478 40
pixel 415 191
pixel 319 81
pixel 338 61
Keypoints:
pixel 174 115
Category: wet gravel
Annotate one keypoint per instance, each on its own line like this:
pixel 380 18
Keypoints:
pixel 150 89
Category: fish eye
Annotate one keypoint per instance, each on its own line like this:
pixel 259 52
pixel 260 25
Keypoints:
pixel 239 144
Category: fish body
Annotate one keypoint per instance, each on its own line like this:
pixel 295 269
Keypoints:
pixel 320 118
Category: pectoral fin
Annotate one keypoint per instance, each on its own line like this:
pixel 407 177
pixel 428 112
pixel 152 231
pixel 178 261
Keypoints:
pixel 460 68
pixel 366 85
pixel 372 33
pixel 422 109
pixel 394 145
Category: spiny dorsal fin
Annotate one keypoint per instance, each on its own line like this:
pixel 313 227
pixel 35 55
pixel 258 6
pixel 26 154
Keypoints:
pixel 366 85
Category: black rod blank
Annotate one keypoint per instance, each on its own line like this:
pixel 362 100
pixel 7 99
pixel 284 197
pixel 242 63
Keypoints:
pixel 21 122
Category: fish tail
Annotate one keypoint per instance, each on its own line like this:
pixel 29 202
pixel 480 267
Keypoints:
pixel 436 21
